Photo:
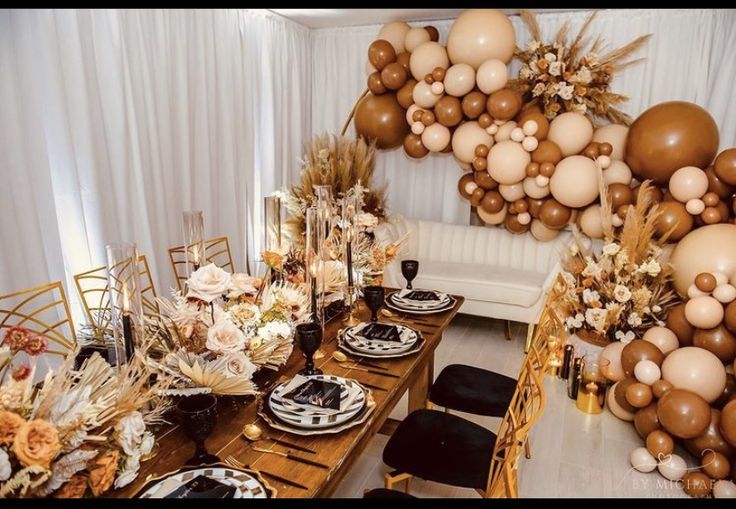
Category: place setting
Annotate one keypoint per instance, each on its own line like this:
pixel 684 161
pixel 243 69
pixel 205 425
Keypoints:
pixel 417 301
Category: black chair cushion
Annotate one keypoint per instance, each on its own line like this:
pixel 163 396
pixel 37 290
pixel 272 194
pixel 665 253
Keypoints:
pixel 384 493
pixel 473 390
pixel 441 447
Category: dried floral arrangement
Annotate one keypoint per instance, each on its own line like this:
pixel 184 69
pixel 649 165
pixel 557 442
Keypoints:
pixel 563 78
pixel 626 289
pixel 82 431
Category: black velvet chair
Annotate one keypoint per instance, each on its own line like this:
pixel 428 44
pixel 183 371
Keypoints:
pixel 473 390
pixel 384 493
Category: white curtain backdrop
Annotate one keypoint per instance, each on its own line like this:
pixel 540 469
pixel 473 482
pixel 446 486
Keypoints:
pixel 115 121
pixel 690 57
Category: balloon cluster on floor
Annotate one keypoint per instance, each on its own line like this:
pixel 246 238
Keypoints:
pixel 524 171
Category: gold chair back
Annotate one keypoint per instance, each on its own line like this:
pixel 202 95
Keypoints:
pixel 43 310
pixel 216 251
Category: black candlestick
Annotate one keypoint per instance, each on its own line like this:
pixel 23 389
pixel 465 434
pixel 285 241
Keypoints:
pixel 128 337
pixel 314 298
pixel 350 263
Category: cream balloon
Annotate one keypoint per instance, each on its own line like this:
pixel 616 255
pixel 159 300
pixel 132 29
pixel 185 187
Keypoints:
pixel 414 38
pixel 496 218
pixel 463 165
pixel 693 291
pixel 492 76
pixel 395 33
pixel 663 338
pixel 695 206
pixel 530 143
pixel 517 135
pixel 672 467
pixel 417 128
pixel 423 95
pixel 615 134
pixel 704 312
pixel 436 137
pixel 696 370
pixel 459 80
pixel 541 232
pixel 532 190
pixel 571 131
pixel 504 131
pixel 524 218
pixel 612 352
pixel 426 57
pixel 438 88
pixel 724 489
pixel 617 173
pixel 688 183
pixel 410 113
pixel 709 248
pixel 615 408
pixel 507 162
pixel 468 136
pixel 542 181
pixel 642 460
pixel 647 372
pixel 724 293
pixel 575 181
pixel 530 127
pixel 590 222
pixel 721 278
pixel 480 34
pixel 511 192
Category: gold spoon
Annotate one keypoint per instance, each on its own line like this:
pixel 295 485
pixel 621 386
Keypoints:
pixel 341 357
pixel 254 433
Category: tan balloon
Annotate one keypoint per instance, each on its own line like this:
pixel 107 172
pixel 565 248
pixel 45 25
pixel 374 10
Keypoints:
pixel 423 95
pixel 615 134
pixel 615 408
pixel 504 131
pixel 688 183
pixel 534 190
pixel 415 37
pixel 662 338
pixel 612 352
pixel 410 113
pixel 511 192
pixel 541 232
pixel 696 253
pixel 436 137
pixel 571 131
pixel 696 370
pixel 575 181
pixel 395 33
pixel 459 80
pixel 492 75
pixel 590 222
pixel 617 173
pixel 480 34
pixel 426 57
pixel 704 312
pixel 507 162
pixel 496 218
pixel 468 136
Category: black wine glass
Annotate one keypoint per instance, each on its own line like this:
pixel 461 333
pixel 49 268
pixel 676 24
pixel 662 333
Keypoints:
pixel 409 269
pixel 374 296
pixel 197 416
pixel 309 336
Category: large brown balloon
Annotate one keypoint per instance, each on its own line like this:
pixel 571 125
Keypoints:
pixel 725 166
pixel 683 413
pixel 619 394
pixel 513 225
pixel 504 104
pixel 716 465
pixel 620 194
pixel 553 214
pixel 535 206
pixel 485 181
pixel 538 117
pixel 414 147
pixel 448 111
pixel 474 104
pixel 718 341
pixel 729 392
pixel 730 317
pixel 639 350
pixel 646 420
pixel 375 84
pixel 403 59
pixel 710 439
pixel 660 444
pixel 667 137
pixel 677 323
pixel 727 425
pixel 381 53
pixel 696 484
pixel 674 215
pixel 382 118
pixel 492 202
pixel 394 76
pixel 404 94
pixel 717 185
pixel 547 152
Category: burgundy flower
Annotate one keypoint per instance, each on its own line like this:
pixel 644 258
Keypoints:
pixel 16 338
pixel 36 345
pixel 21 372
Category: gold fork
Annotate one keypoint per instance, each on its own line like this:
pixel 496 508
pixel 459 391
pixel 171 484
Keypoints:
pixel 233 462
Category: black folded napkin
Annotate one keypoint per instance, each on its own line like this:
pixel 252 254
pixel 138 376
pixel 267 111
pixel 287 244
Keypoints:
pixel 203 487
pixel 421 295
pixel 381 332
pixel 319 393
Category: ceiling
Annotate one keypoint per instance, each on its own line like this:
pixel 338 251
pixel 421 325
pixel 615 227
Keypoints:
pixel 329 18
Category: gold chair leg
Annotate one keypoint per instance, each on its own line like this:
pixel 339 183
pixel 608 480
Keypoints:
pixel 394 477
pixel 529 337
pixel 508 330
pixel 527 449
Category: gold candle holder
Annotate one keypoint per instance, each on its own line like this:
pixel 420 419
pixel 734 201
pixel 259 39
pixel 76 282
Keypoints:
pixel 592 392
pixel 351 320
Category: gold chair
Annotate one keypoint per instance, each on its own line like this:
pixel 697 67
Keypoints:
pixel 93 287
pixel 216 251
pixel 43 310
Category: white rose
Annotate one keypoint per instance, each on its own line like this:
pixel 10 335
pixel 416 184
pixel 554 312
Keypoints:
pixel 366 220
pixel 244 314
pixel 273 330
pixel 129 431
pixel 243 284
pixel 621 293
pixel 225 337
pixel 208 283
pixel 5 468
pixel 130 470
pixel 147 443
pixel 237 364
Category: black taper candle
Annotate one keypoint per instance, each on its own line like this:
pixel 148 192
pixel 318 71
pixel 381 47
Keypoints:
pixel 350 263
pixel 314 297
pixel 128 337
pixel 566 361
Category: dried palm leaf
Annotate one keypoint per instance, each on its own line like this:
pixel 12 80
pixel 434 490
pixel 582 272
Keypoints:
pixel 210 374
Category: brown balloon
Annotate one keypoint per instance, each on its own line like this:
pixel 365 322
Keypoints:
pixel 639 350
pixel 532 170
pixel 674 215
pixel 438 73
pixel 710 215
pixel 683 413
pixel 414 147
pixel 705 281
pixel 381 53
pixel 718 340
pixel 476 196
pixel 727 424
pixel 427 118
pixel 512 224
pixel 696 484
pixel 480 163
pixel 717 185
pixel 605 148
pixel 375 84
pixel 677 323
pixel 725 166
pixel 623 210
pixel 382 118
pixel 485 120
pixel 660 388
pixel 403 59
pixel 710 439
pixel 539 118
pixel 504 104
pixel 723 211
pixel 729 392
pixel 474 104
pixel 434 34
pixel 620 394
pixel 710 199
pixel 535 205
pixel 646 420
pixel 654 193
pixel 484 180
pixel 482 150
pixel 428 78
pixel 547 152
pixel 716 465
pixel 667 137
pixel 463 182
pixel 394 76
pixel 521 206
pixel 592 151
pixel 639 395
pixel 492 202
pixel 546 169
pixel 449 111
pixel 404 94
pixel 730 317
pixel 660 444
pixel 553 214
pixel 620 194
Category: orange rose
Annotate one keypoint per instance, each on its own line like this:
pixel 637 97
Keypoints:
pixel 73 488
pixel 36 443
pixel 103 475
pixel 9 424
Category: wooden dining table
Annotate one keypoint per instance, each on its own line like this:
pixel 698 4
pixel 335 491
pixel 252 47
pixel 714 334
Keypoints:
pixel 337 451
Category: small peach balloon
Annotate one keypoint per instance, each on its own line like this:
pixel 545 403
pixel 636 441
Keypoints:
pixel 687 183
pixel 642 460
pixel 618 172
pixel 724 293
pixel 673 467
pixel 695 206
pixel 492 76
pixel 571 131
pixel 703 312
pixel 647 372
pixel 662 338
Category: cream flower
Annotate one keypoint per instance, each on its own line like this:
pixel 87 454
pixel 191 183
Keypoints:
pixel 147 443
pixel 596 318
pixel 582 75
pixel 621 293
pixel 538 89
pixel 566 91
pixel 243 284
pixel 550 57
pixel 591 296
pixel 611 249
pixel 5 468
pixel 366 220
pixel 129 471
pixel 208 283
pixel 245 315
pixel 237 364
pixel 628 337
pixel 129 431
pixel 592 269
pixel 225 337
pixel 291 299
pixel 274 330
pixel 533 45
pixel 575 321
pixel 555 68
pixel 634 319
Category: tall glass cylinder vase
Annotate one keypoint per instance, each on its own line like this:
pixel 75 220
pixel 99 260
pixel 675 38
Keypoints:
pixel 126 306
pixel 348 238
pixel 193 229
pixel 272 223
pixel 311 241
pixel 325 208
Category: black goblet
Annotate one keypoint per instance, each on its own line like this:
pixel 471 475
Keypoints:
pixel 374 296
pixel 309 336
pixel 197 416
pixel 409 269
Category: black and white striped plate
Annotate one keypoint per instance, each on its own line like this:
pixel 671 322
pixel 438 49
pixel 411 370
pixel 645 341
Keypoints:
pixel 345 347
pixel 397 306
pixel 401 298
pixel 246 482
pixel 362 344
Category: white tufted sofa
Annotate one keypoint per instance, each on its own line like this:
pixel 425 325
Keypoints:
pixel 500 274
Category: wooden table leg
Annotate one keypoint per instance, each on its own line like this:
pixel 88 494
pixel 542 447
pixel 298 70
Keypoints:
pixel 419 389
